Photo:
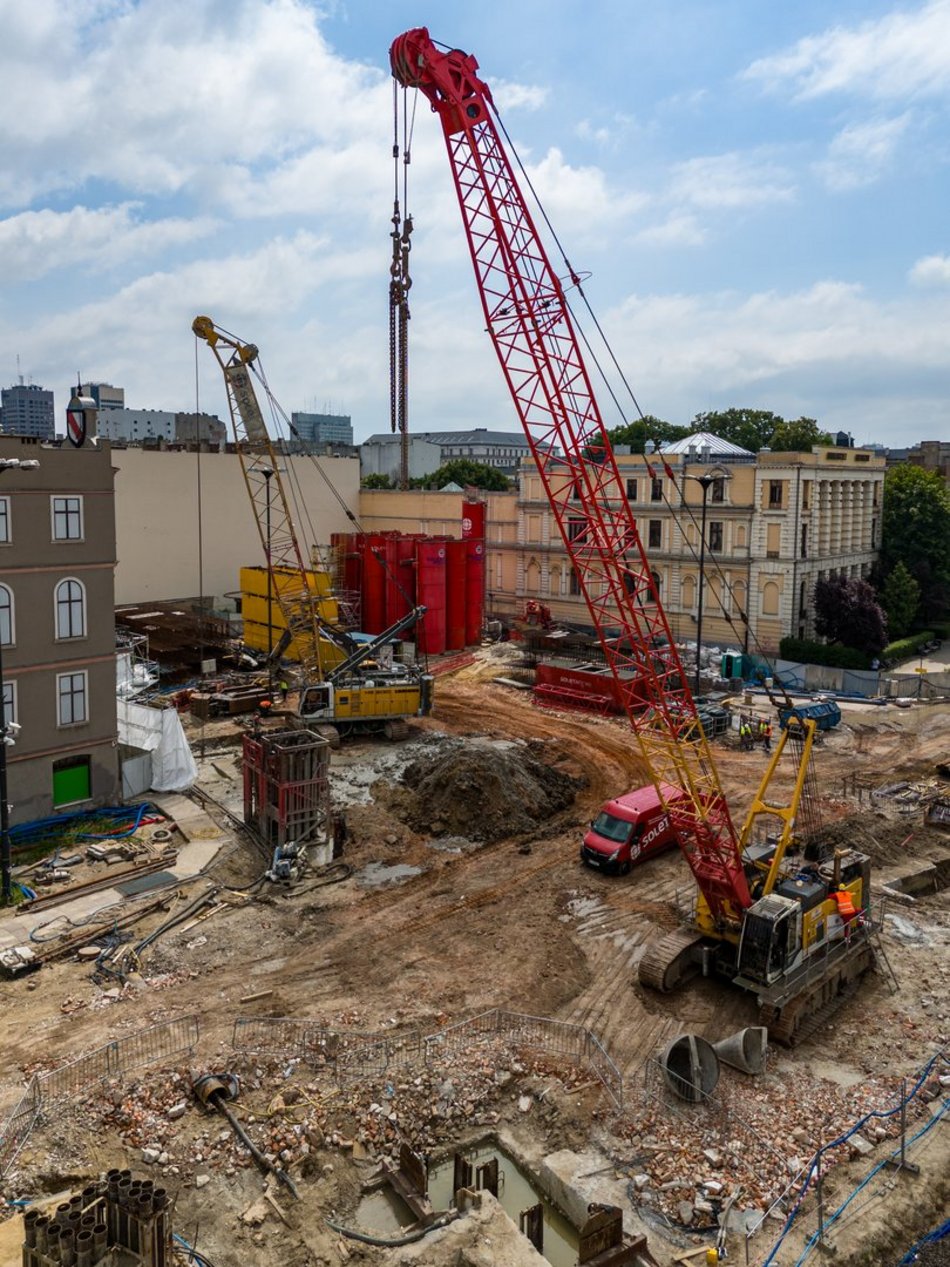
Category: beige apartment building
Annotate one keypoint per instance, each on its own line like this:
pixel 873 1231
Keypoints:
pixel 57 630
pixel 775 524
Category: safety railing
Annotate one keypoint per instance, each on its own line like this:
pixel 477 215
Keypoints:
pixel 369 1055
pixel 159 1042
pixel 17 1128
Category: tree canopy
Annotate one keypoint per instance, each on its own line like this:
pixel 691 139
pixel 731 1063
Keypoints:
pixel 756 429
pixel 848 612
pixel 900 598
pixel 648 427
pixel 915 531
pixel 376 480
pixel 465 472
pixel 798 435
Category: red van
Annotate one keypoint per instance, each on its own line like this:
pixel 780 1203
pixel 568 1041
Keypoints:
pixel 629 829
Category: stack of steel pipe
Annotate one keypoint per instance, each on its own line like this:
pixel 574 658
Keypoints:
pixel 122 1211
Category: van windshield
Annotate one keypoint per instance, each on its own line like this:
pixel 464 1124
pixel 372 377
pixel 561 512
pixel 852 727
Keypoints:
pixel 611 828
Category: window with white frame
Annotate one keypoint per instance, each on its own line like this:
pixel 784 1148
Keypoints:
pixel 7 625
pixel 72 696
pixel 70 609
pixel 4 520
pixel 67 518
pixel 9 711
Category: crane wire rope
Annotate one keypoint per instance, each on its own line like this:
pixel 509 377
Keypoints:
pixel 280 415
pixel 727 585
pixel 201 579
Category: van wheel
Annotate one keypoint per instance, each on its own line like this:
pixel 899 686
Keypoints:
pixel 624 868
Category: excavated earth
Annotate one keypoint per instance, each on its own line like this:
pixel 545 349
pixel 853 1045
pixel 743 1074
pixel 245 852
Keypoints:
pixel 486 791
pixel 475 825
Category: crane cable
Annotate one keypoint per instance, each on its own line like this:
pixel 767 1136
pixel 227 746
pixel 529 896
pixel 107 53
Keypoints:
pixel 399 285
pixel 279 415
pixel 576 281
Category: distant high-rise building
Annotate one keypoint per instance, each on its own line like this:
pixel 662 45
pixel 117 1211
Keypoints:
pixel 27 410
pixel 105 395
pixel 192 427
pixel 135 426
pixel 323 428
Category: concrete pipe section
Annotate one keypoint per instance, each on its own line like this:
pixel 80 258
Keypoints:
pixel 745 1049
pixel 690 1067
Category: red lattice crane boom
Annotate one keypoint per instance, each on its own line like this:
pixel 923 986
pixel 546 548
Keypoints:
pixel 534 336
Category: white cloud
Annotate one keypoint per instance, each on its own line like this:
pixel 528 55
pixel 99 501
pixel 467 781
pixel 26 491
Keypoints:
pixel 858 155
pixel 512 96
pixel 678 229
pixel 734 180
pixel 158 92
pixel 829 351
pixel 35 243
pixel 932 270
pixel 901 55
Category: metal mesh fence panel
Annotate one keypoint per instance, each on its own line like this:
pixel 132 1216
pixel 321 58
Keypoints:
pixel 283 1035
pixel 16 1129
pixel 158 1042
pixel 375 1054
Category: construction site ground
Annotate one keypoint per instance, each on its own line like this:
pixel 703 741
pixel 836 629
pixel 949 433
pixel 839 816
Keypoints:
pixel 466 894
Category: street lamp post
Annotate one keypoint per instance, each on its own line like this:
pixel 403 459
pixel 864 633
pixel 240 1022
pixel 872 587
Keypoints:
pixel 7 730
pixel 268 473
pixel 705 481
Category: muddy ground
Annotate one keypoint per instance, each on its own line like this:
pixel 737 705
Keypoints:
pixel 466 895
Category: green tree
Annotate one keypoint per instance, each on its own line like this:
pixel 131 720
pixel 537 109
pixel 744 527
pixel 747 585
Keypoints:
pixel 466 472
pixel 900 598
pixel 751 429
pixel 915 531
pixel 376 480
pixel 798 435
pixel 648 427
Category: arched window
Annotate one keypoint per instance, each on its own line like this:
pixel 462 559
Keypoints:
pixel 738 597
pixel 770 599
pixel 689 591
pixel 7 627
pixel 532 581
pixel 70 609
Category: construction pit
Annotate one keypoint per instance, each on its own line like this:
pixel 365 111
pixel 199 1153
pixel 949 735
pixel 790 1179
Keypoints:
pixel 460 984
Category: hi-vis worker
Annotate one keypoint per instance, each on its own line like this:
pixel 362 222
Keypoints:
pixel 745 735
pixel 765 734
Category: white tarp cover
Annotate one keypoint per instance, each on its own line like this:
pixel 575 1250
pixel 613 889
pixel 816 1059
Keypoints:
pixel 160 732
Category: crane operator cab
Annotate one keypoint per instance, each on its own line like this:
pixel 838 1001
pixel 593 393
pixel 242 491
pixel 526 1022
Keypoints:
pixel 806 913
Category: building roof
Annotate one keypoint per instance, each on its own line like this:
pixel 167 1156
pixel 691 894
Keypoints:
pixel 480 435
pixel 718 448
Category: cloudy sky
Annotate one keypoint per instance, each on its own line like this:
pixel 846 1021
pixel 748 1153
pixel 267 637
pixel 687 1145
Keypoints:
pixel 759 192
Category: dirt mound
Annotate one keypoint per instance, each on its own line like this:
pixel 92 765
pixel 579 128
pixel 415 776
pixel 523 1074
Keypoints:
pixel 485 790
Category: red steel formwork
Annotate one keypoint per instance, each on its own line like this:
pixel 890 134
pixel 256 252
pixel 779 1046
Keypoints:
pixel 430 593
pixel 474 590
pixel 401 578
pixel 456 594
pixel 373 550
pixel 286 786
pixel 473 520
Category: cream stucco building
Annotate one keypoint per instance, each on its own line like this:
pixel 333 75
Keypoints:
pixel 775 524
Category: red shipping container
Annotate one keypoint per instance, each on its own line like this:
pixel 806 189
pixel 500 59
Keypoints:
pixel 474 590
